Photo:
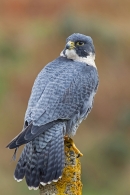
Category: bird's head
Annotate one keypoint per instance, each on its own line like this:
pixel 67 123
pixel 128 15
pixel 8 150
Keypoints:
pixel 79 47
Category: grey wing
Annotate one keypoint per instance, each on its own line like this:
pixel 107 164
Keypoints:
pixel 63 96
pixel 66 96
pixel 51 70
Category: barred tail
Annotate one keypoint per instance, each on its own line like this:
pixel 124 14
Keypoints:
pixel 42 160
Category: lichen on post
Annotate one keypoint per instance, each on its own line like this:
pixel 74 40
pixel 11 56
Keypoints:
pixel 70 183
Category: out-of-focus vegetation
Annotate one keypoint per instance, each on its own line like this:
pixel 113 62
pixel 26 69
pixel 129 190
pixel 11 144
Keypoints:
pixel 32 33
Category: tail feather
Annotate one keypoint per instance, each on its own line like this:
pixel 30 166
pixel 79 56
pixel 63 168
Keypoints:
pixel 60 160
pixel 22 163
pixel 36 179
pixel 55 162
pixel 31 169
pixel 50 164
pixel 42 163
pixel 28 174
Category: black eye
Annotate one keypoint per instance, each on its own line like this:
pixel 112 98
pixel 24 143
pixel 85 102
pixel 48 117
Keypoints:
pixel 80 43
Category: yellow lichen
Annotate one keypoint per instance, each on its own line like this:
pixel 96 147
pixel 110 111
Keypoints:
pixel 70 183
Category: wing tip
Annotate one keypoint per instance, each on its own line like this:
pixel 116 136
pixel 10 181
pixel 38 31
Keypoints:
pixel 19 139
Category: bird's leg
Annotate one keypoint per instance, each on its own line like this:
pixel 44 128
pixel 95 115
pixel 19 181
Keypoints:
pixel 70 143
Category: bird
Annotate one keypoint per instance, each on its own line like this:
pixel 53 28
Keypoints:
pixel 61 98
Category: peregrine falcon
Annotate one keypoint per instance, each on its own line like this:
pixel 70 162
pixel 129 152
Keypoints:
pixel 61 97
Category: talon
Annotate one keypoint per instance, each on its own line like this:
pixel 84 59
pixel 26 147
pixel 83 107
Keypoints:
pixel 70 143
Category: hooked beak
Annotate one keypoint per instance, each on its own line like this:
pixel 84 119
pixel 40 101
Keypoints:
pixel 70 45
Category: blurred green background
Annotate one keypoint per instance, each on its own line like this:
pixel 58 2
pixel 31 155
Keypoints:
pixel 32 33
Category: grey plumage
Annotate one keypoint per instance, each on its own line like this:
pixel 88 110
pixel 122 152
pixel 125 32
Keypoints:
pixel 39 159
pixel 61 98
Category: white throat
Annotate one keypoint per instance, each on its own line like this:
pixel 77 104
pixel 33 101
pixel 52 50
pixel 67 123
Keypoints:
pixel 71 54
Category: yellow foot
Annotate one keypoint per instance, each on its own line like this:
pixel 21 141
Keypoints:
pixel 70 142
